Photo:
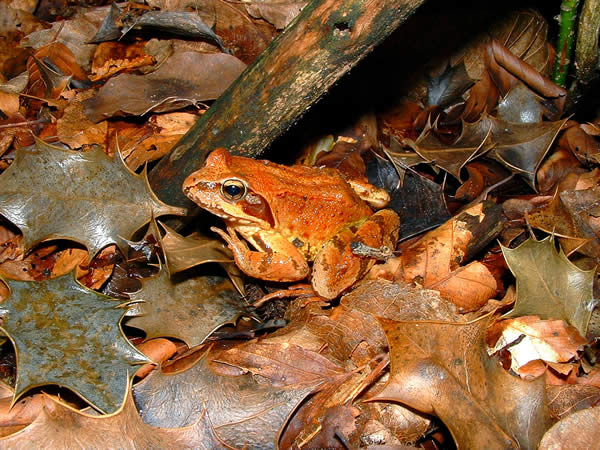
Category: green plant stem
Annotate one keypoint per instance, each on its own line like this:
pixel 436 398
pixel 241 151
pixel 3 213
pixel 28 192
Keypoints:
pixel 566 36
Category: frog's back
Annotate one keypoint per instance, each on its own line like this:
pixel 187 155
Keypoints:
pixel 308 204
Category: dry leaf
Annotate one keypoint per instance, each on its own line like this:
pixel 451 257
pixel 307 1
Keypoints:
pixel 253 419
pixel 75 129
pixel 579 430
pixel 186 78
pixel 282 364
pixel 434 261
pixel 548 340
pixel 279 12
pixel 443 369
pixel 113 57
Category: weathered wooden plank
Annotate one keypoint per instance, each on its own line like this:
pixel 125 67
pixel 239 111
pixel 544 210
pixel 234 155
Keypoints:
pixel 324 42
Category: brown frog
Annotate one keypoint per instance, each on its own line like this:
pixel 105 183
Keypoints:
pixel 292 216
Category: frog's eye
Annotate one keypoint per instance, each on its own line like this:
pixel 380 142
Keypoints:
pixel 233 189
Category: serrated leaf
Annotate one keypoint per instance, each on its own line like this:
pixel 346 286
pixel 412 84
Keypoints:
pixel 58 426
pixel 522 147
pixel 452 157
pixel 242 411
pixel 69 335
pixel 549 285
pixel 518 146
pixel 51 193
pixel 443 369
pixel 184 252
pixel 189 308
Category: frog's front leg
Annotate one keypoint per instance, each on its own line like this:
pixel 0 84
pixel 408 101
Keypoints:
pixel 336 267
pixel 278 260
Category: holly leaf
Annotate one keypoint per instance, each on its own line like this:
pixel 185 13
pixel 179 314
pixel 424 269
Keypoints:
pixel 549 285
pixel 51 193
pixel 452 157
pixel 521 105
pixel 443 369
pixel 184 252
pixel 521 147
pixel 59 426
pixel 68 335
pixel 242 411
pixel 186 308
pixel 518 146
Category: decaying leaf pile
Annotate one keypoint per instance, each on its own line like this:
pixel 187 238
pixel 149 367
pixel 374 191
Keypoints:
pixel 477 331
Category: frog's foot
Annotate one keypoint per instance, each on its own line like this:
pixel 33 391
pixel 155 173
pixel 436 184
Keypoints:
pixel 279 260
pixel 337 267
pixel 298 290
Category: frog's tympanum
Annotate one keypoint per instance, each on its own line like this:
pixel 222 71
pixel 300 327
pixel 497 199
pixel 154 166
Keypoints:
pixel 292 216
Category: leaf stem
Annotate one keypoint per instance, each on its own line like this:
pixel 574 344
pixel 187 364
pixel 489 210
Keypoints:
pixel 566 36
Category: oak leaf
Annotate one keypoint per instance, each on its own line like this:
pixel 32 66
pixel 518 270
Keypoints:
pixel 442 368
pixel 549 285
pixel 578 430
pixel 66 334
pixel 51 193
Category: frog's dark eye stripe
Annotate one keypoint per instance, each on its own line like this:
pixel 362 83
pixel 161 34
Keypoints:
pixel 234 190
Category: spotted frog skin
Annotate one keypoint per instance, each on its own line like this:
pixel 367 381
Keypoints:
pixel 292 216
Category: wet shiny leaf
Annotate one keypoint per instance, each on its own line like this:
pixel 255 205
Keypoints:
pixel 69 335
pixel 186 308
pixel 51 193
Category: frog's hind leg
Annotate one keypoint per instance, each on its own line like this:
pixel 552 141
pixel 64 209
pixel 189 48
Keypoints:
pixel 336 267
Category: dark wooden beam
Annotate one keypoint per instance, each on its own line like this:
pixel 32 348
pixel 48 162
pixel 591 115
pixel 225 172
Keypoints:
pixel 325 41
